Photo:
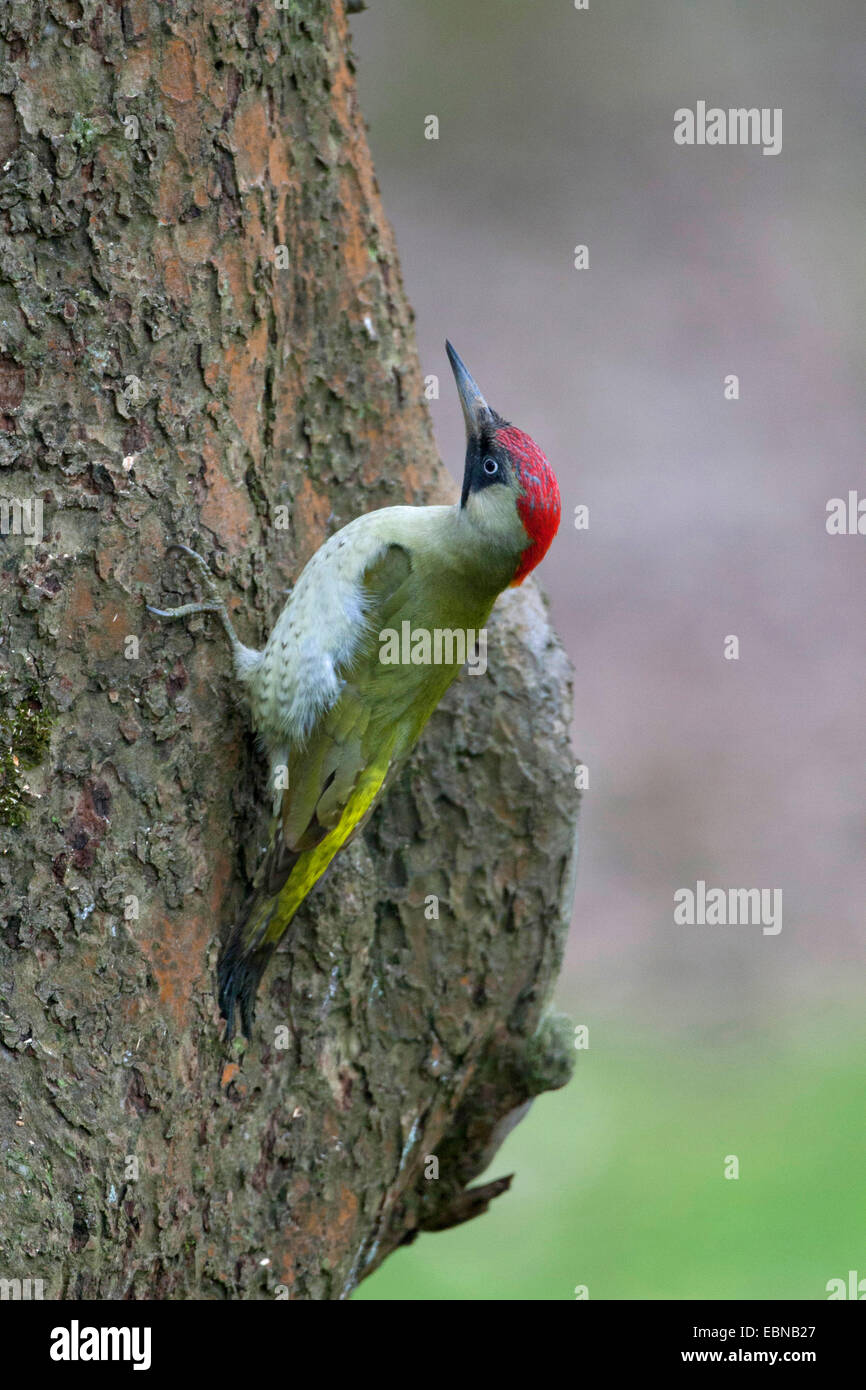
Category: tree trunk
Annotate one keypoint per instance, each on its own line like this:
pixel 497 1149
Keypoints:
pixel 204 337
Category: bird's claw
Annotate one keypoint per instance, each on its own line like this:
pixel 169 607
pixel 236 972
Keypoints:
pixel 212 604
pixel 186 610
pixel 201 565
pixel 186 550
pixel 243 656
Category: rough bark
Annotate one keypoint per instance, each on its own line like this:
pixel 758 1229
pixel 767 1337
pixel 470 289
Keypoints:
pixel 164 374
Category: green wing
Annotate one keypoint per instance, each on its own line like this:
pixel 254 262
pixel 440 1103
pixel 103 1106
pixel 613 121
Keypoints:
pixel 336 774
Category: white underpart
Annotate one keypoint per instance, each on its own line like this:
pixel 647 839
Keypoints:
pixel 316 635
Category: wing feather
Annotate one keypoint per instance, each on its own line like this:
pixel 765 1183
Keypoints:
pixel 325 766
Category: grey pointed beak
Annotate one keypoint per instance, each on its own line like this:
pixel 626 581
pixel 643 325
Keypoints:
pixel 476 411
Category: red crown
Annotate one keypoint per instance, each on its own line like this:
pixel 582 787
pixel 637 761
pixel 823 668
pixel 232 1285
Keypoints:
pixel 538 506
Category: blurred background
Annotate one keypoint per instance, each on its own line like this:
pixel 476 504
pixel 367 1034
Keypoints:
pixel 707 518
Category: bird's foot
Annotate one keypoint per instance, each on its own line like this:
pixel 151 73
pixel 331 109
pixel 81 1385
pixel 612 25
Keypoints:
pixel 243 656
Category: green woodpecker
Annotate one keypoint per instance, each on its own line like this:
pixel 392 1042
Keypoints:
pixel 335 718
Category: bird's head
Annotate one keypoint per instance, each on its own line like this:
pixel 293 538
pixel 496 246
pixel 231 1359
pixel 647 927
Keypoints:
pixel 509 489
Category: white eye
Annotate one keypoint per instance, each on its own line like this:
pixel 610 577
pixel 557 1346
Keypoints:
pixel 490 466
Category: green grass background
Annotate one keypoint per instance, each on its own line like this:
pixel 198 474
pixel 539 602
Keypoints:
pixel 620 1178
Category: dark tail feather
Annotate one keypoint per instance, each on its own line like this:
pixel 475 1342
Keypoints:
pixel 240 966
pixel 238 976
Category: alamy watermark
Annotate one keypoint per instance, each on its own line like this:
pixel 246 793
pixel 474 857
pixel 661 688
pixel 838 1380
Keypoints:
pixel 739 125
pixel 846 517
pixel 22 1289
pixel 438 646
pixel 21 516
pixel 855 1287
pixel 77 1343
pixel 722 907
